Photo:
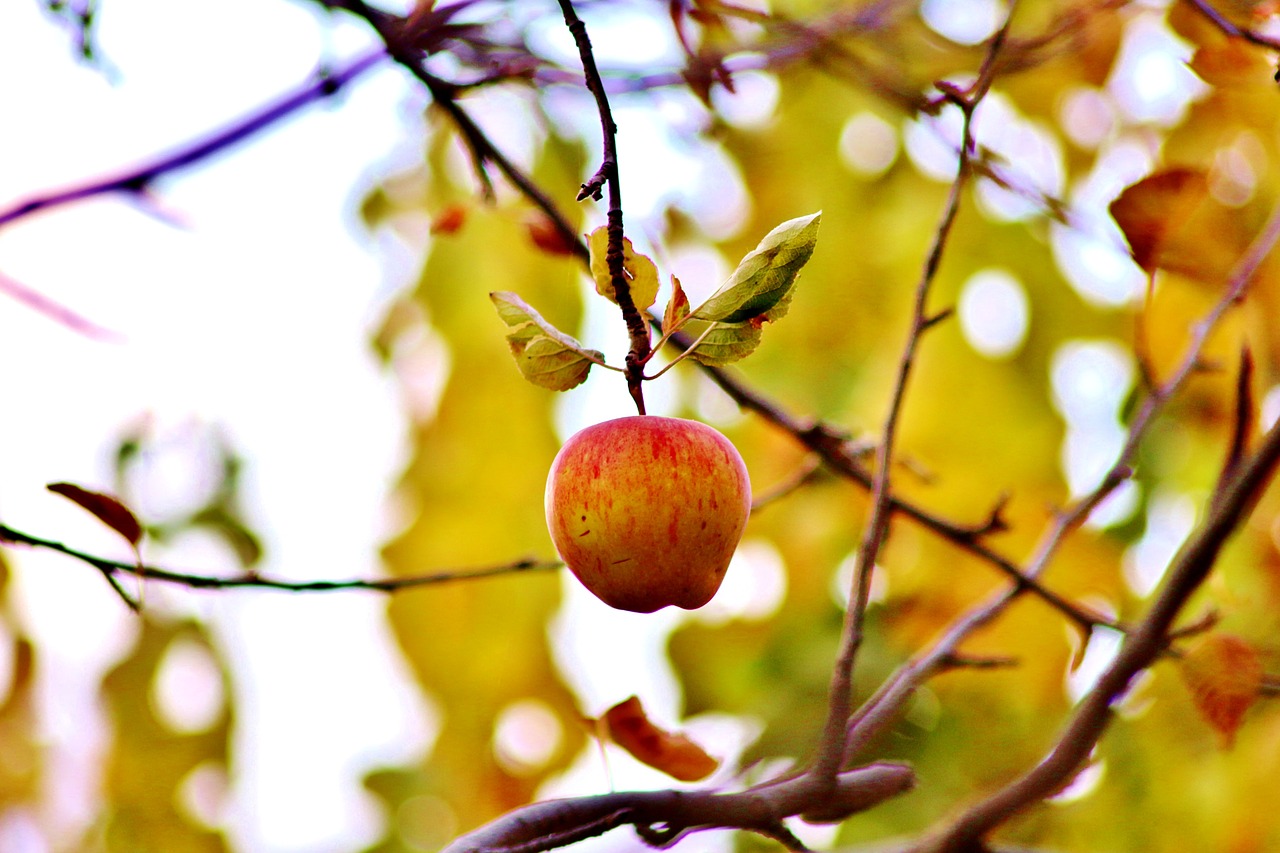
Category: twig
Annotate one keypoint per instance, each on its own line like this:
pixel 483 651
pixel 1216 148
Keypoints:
pixel 1140 649
pixel 809 471
pixel 832 750
pixel 1216 18
pixel 883 707
pixel 42 304
pixel 111 568
pixel 137 180
pixel 444 95
pixel 607 175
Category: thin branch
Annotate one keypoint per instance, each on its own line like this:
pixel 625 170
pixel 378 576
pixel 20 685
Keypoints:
pixel 878 712
pixel 444 95
pixel 1140 649
pixel 42 304
pixel 1218 20
pixel 831 753
pixel 608 175
pixel 112 568
pixel 809 471
pixel 136 181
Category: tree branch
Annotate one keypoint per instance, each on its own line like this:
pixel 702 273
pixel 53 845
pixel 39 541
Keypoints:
pixel 608 175
pixel 1140 649
pixel 444 95
pixel 554 823
pixel 833 746
pixel 878 712
pixel 112 568
pixel 140 178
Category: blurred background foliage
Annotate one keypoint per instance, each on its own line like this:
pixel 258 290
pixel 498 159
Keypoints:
pixel 1020 396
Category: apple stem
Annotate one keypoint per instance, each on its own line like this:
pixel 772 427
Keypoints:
pixel 607 175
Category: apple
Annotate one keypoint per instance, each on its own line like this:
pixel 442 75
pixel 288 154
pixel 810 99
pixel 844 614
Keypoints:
pixel 647 511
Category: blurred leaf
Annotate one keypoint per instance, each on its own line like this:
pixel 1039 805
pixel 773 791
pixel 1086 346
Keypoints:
pixel 1234 63
pixel 1151 212
pixel 546 236
pixel 671 752
pixel 230 529
pixel 22 755
pixel 1223 673
pixel 149 762
pixel 106 508
pixel 449 220
pixel 1172 222
pixel 642 275
pixel 546 356
pixel 761 287
pixel 473 482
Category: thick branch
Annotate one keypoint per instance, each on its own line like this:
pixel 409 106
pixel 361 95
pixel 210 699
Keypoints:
pixel 670 815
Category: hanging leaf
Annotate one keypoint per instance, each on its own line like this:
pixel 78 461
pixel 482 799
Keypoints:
pixel 672 753
pixel 642 275
pixel 1172 222
pixel 761 287
pixel 726 342
pixel 1224 675
pixel 677 308
pixel 107 509
pixel 546 356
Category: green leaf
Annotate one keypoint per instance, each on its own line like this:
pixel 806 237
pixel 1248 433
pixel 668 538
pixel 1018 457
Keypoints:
pixel 546 356
pixel 726 343
pixel 641 273
pixel 761 287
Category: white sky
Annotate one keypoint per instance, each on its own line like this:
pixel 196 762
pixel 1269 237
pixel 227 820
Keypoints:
pixel 254 315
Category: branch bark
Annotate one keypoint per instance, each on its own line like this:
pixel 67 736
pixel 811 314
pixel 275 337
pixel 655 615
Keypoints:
pixel 662 817
pixel 1140 649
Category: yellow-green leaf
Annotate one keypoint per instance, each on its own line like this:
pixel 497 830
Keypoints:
pixel 726 342
pixel 546 356
pixel 642 275
pixel 762 285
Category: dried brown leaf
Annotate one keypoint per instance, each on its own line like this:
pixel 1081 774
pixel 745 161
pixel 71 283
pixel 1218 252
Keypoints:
pixel 106 508
pixel 671 752
pixel 1224 675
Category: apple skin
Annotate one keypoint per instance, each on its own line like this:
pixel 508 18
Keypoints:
pixel 647 511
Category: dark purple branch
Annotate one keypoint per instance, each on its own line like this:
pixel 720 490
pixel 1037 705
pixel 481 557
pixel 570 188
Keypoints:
pixel 1218 20
pixel 139 179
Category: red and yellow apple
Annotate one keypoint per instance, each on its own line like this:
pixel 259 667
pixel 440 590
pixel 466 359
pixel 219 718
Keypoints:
pixel 647 511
